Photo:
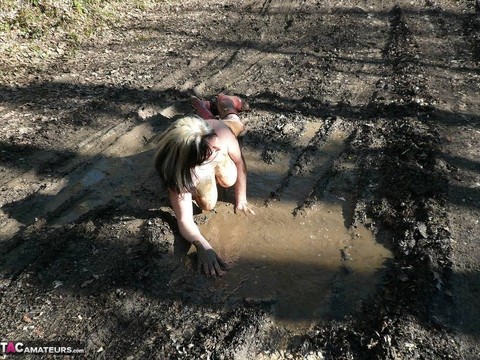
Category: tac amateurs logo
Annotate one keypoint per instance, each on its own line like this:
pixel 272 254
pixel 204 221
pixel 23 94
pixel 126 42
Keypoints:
pixel 17 347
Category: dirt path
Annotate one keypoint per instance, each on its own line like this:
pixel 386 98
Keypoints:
pixel 367 109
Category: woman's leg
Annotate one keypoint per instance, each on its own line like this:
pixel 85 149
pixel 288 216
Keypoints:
pixel 235 124
pixel 203 108
pixel 228 108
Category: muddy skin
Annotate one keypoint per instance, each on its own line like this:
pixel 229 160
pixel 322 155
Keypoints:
pixel 362 146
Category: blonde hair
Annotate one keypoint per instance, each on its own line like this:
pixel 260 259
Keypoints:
pixel 180 148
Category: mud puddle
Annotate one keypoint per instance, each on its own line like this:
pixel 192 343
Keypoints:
pixel 308 266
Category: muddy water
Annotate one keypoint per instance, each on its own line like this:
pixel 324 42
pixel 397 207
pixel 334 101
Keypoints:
pixel 307 266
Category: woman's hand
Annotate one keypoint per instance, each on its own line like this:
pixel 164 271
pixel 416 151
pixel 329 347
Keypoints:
pixel 245 207
pixel 209 261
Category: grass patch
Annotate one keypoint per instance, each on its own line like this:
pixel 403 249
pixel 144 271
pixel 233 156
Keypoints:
pixel 32 30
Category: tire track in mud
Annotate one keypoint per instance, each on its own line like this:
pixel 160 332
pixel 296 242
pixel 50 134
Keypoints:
pixel 223 50
pixel 402 192
pixel 106 167
pixel 280 15
pixel 455 77
pixel 96 176
pixel 404 97
pixel 311 163
pixel 245 61
pixel 28 190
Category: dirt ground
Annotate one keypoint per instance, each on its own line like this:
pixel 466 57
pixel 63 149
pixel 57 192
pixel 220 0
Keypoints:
pixel 90 251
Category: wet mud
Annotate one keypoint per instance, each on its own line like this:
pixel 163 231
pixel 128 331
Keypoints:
pixel 313 265
pixel 361 146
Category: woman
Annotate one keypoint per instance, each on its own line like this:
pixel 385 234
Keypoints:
pixel 194 155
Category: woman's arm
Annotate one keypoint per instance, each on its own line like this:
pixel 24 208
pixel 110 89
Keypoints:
pixel 208 260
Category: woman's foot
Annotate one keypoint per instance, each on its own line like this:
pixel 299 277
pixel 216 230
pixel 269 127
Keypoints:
pixel 227 105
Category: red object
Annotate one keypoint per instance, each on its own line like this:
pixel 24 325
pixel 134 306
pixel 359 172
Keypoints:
pixel 203 108
pixel 230 105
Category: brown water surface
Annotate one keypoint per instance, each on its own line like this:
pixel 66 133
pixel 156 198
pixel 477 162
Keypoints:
pixel 307 266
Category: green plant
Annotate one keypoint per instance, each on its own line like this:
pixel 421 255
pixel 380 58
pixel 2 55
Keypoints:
pixel 79 6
